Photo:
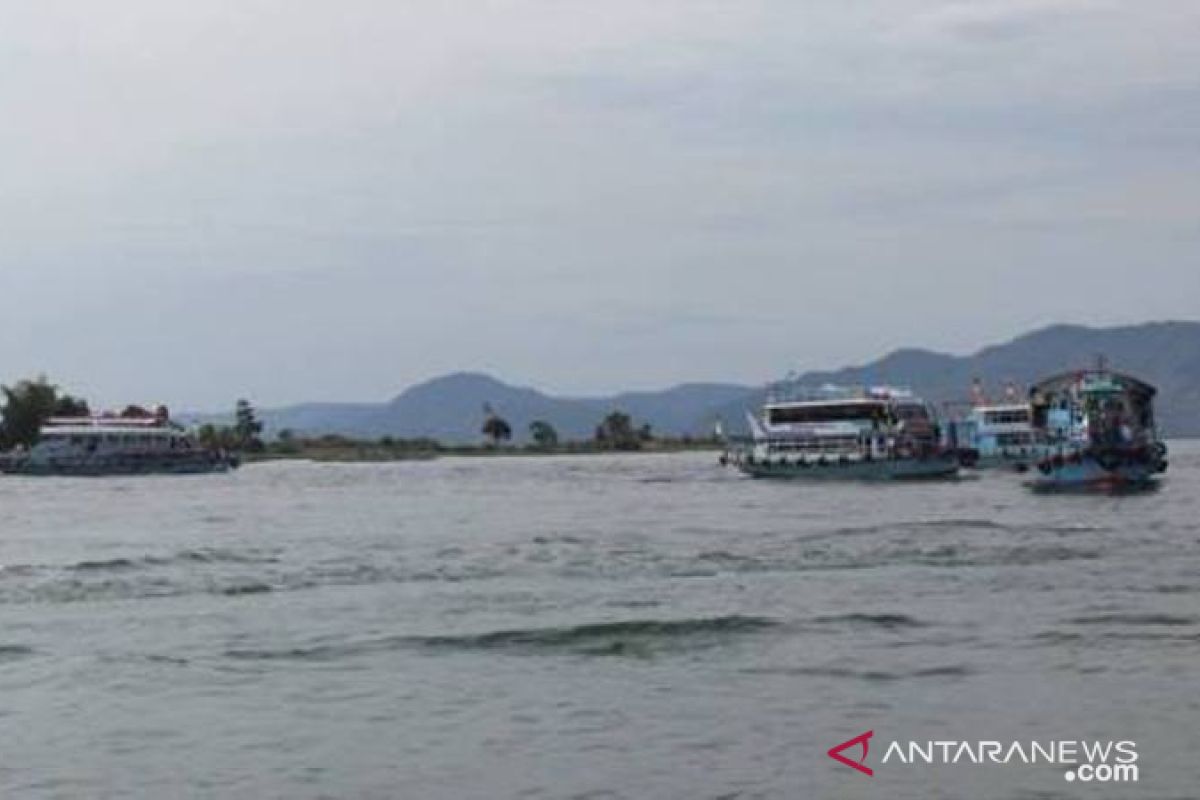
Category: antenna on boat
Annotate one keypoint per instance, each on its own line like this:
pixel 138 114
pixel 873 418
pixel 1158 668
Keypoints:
pixel 978 396
pixel 1101 362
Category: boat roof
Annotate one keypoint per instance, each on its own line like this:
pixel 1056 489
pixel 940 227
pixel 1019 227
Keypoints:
pixel 1016 406
pixel 790 395
pixel 833 401
pixel 1120 380
pixel 101 430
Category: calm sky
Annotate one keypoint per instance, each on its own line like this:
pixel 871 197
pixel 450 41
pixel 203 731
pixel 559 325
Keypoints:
pixel 295 200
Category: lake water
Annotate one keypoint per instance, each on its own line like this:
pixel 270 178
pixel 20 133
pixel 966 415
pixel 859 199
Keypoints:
pixel 594 627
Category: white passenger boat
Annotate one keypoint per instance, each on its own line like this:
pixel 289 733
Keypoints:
pixel 880 433
pixel 114 445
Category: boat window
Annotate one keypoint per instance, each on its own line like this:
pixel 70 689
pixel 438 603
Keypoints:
pixel 1007 416
pixel 840 412
pixel 910 411
pixel 1013 439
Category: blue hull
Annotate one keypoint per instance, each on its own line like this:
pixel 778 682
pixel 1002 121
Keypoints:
pixel 1088 473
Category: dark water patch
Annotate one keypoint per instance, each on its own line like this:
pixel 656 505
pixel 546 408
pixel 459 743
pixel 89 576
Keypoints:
pixel 909 526
pixel 943 556
pixel 1173 588
pixel 12 652
pixel 638 638
pixel 152 577
pixel 200 556
pixel 883 621
pixel 1161 636
pixel 104 565
pixel 240 589
pixel 950 671
pixel 1056 638
pixel 220 555
pixel 605 636
pixel 731 559
pixel 1135 619
pixel 176 661
pixel 1150 636
pixel 1070 529
pixel 448 574
pixel 633 603
pixel 970 523
pixel 958 556
pixel 1034 555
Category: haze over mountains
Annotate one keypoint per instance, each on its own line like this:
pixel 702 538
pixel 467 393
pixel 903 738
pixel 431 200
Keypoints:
pixel 450 408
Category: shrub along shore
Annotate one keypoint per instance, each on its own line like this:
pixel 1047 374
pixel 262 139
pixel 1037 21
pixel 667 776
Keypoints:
pixel 335 448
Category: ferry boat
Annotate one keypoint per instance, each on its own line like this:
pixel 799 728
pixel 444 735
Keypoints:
pixel 1100 431
pixel 115 445
pixel 996 434
pixel 879 433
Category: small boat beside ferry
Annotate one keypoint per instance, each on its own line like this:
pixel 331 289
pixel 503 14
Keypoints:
pixel 875 434
pixel 996 434
pixel 1099 430
pixel 131 444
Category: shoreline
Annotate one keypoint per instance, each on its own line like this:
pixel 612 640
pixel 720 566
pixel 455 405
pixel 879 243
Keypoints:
pixel 369 452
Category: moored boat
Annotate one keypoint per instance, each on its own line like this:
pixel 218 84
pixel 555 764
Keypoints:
pixel 875 434
pixel 115 445
pixel 994 434
pixel 1100 431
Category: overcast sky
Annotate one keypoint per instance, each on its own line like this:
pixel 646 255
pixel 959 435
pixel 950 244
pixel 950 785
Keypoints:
pixel 294 200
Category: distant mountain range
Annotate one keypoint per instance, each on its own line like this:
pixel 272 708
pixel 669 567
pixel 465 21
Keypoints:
pixel 450 408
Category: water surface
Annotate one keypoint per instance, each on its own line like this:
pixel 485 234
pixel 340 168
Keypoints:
pixel 602 627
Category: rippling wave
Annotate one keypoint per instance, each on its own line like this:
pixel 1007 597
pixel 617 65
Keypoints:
pixel 628 637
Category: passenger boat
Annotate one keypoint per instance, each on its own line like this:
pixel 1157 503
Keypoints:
pixel 1100 431
pixel 880 433
pixel 996 434
pixel 115 445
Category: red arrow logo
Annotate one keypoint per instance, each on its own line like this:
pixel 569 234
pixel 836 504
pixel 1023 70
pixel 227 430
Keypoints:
pixel 864 739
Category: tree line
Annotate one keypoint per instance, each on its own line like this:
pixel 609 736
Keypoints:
pixel 615 432
pixel 29 404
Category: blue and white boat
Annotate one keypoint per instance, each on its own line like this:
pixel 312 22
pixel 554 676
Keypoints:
pixel 880 433
pixel 1099 430
pixel 996 434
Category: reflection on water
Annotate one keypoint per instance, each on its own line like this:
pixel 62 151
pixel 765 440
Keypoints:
pixel 636 626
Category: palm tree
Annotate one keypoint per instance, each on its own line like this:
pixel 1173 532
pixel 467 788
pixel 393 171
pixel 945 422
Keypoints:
pixel 543 434
pixel 616 431
pixel 495 427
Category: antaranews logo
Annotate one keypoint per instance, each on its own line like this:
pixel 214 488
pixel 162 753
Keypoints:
pixel 1088 761
pixel 863 739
